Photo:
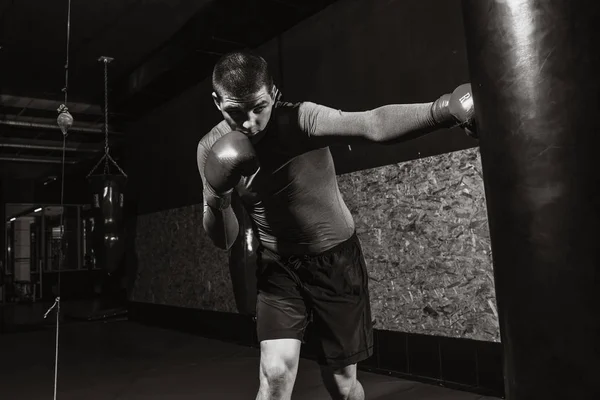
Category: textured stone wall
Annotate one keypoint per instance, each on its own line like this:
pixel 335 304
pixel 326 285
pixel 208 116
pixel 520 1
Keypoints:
pixel 423 227
pixel 177 263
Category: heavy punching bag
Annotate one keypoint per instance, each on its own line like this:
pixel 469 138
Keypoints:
pixel 242 262
pixel 535 74
pixel 108 199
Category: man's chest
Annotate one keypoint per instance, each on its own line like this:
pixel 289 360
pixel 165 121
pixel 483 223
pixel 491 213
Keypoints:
pixel 283 175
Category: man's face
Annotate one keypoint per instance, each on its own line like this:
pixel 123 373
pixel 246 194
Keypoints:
pixel 249 115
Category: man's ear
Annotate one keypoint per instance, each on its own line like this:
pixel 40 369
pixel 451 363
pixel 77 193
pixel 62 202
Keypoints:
pixel 216 100
pixel 276 94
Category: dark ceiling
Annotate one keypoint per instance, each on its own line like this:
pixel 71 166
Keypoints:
pixel 160 48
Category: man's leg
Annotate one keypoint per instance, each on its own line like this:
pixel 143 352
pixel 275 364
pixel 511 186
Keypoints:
pixel 278 367
pixel 341 383
pixel 339 298
pixel 281 319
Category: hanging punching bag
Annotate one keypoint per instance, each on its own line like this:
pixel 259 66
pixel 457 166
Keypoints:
pixel 534 68
pixel 242 262
pixel 107 193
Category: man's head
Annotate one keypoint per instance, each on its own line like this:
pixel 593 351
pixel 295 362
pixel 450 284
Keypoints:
pixel 244 92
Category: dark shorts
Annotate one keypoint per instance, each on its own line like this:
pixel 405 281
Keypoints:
pixel 330 290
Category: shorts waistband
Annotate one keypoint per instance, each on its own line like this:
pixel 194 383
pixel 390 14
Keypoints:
pixel 294 258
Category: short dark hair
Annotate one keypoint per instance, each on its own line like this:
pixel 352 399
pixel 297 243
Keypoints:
pixel 241 73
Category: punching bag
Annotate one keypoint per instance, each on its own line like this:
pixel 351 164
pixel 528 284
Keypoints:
pixel 534 68
pixel 242 262
pixel 107 192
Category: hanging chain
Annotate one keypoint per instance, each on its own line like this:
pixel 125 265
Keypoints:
pixel 106 60
pixel 66 88
pixel 106 157
pixel 106 105
pixel 65 119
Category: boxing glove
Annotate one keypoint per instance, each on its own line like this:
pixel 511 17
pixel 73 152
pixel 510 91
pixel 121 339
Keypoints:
pixel 457 108
pixel 230 158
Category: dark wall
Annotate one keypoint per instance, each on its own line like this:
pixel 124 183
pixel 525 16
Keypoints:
pixel 161 152
pixel 27 191
pixel 359 55
pixel 354 55
pixel 2 234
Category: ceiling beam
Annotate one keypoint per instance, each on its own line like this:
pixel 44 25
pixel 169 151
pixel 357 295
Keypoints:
pixel 37 160
pixel 54 126
pixel 36 144
pixel 22 102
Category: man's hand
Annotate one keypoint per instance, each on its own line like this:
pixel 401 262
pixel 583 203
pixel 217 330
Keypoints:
pixel 457 108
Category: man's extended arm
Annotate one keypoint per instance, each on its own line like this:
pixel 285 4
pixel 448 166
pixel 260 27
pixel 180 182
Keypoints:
pixel 390 123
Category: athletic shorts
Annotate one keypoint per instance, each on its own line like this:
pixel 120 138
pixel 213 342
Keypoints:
pixel 329 289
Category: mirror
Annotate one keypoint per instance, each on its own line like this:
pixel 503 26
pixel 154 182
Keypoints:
pixel 34 235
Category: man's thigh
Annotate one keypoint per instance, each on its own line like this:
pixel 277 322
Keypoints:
pixel 280 316
pixel 281 311
pixel 339 298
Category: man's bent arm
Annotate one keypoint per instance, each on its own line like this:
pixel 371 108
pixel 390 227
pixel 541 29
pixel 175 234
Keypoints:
pixel 221 226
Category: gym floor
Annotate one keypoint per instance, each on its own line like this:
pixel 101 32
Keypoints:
pixel 126 360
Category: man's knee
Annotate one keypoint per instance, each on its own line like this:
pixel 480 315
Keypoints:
pixel 340 382
pixel 279 364
pixel 276 375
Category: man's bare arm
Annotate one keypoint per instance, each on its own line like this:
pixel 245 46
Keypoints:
pixel 387 124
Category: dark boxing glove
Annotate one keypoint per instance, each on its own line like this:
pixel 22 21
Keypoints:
pixel 456 109
pixel 230 158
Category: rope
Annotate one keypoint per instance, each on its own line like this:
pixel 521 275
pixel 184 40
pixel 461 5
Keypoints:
pixel 64 128
pixel 60 264
pixel 61 259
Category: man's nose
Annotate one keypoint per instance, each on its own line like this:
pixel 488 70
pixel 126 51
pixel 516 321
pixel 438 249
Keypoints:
pixel 249 123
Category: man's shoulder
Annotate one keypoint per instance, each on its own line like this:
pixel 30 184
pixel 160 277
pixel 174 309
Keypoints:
pixel 296 113
pixel 295 106
pixel 300 116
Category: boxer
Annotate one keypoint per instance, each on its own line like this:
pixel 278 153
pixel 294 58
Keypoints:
pixel 311 267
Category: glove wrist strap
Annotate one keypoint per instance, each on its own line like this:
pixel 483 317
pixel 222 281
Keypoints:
pixel 218 202
pixel 440 112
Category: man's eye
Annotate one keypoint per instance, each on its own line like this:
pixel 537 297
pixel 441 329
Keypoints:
pixel 259 110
